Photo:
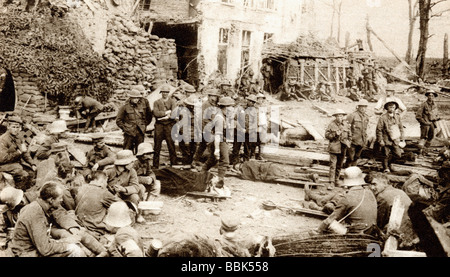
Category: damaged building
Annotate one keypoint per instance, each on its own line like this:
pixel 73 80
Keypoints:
pixel 224 36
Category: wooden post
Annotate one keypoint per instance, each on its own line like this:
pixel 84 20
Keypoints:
pixel 302 71
pixel 344 75
pixel 445 59
pixel 391 244
pixel 316 72
pixel 336 68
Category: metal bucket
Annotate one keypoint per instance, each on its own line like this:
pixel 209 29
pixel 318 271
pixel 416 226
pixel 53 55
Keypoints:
pixel 337 228
pixel 154 247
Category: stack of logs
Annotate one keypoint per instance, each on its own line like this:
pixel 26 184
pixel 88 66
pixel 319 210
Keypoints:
pixel 136 57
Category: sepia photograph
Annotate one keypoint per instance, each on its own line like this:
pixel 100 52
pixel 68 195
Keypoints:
pixel 239 129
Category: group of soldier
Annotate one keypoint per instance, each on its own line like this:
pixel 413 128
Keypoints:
pixel 347 134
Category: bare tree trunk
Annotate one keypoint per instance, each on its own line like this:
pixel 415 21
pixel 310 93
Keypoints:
pixel 332 20
pixel 424 12
pixel 368 31
pixel 412 22
pixel 339 22
pixel 445 59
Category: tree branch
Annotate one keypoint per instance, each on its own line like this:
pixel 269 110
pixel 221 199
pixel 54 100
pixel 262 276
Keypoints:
pixel 439 13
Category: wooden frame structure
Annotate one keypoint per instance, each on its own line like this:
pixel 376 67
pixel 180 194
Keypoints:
pixel 317 69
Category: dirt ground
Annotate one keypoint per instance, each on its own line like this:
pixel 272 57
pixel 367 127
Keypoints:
pixel 187 214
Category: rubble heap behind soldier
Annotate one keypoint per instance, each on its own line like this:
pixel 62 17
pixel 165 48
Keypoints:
pixel 339 135
pixel 162 109
pixel 31 237
pixel 133 118
pixel 15 158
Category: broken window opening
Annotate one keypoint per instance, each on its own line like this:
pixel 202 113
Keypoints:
pixel 223 36
pixel 144 5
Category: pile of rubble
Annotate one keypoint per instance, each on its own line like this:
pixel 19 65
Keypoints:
pixel 136 57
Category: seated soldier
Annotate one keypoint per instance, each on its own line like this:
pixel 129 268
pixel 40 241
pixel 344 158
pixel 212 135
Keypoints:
pixel 127 241
pixel 92 202
pixel 123 180
pixel 143 167
pixel 15 158
pixel 52 135
pixel 99 157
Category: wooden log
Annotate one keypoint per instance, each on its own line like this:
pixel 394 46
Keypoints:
pixel 311 130
pixel 440 232
pixel 391 244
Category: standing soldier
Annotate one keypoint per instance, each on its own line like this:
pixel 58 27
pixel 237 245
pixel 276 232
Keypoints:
pixel 88 108
pixel 133 118
pixel 358 121
pixel 15 158
pixel 389 134
pixel 340 136
pixel 209 108
pixel 427 115
pixel 187 144
pixel 162 109
pixel 218 148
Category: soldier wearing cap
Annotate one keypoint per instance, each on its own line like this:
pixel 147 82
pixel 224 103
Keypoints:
pixel 133 118
pixel 54 132
pixel 358 120
pixel 15 159
pixel 88 108
pixel 144 171
pixel 427 115
pixel 162 110
pixel 339 135
pixel 123 180
pixel 218 148
pixel 389 134
pixel 357 208
pixel 209 108
pixel 100 156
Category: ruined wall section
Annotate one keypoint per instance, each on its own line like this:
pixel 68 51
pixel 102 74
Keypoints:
pixel 137 58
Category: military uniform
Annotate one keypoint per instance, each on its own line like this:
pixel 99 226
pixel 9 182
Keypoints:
pixel 427 115
pixel 339 136
pixel 133 120
pixel 358 125
pixel 89 108
pixel 12 160
pixel 389 133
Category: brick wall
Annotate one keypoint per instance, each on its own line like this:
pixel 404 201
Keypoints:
pixel 176 9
